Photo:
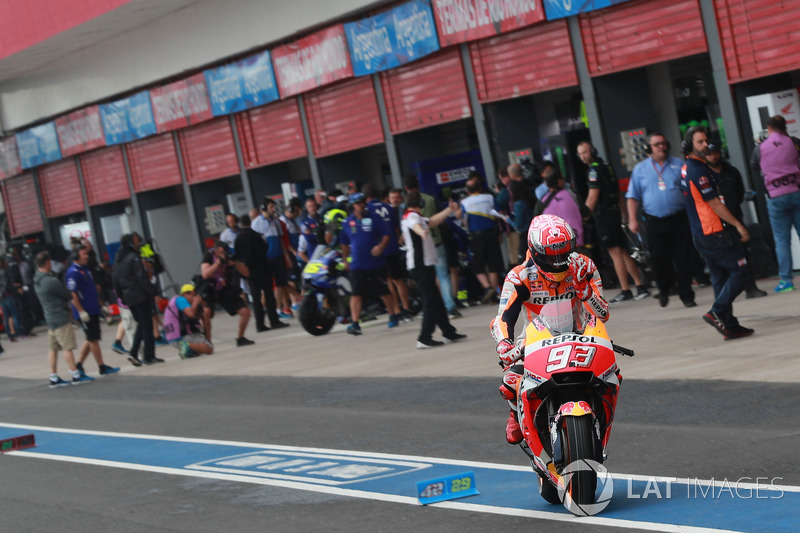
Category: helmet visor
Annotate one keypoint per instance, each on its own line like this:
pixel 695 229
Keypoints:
pixel 553 263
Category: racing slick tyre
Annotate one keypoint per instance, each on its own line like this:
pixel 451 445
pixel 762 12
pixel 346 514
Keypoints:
pixel 317 316
pixel 578 444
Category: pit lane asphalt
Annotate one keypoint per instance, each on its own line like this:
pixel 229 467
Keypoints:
pixel 704 416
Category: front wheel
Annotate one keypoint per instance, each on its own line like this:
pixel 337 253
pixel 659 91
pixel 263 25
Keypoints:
pixel 578 446
pixel 317 317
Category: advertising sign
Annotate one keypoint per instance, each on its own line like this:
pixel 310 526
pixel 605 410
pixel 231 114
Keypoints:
pixel 557 9
pixel 181 104
pixel 459 21
pixel 80 131
pixel 129 119
pixel 239 86
pixel 393 38
pixel 313 61
pixel 37 146
pixel 9 160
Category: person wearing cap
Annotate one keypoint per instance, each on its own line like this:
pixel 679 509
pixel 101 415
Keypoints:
pixel 731 188
pixel 364 237
pixel 182 323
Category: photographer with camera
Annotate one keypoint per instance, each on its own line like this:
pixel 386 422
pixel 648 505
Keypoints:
pixel 220 286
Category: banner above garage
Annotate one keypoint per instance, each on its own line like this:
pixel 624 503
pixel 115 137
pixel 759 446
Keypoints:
pixel 313 61
pixel 128 119
pixel 459 21
pixel 241 85
pixel 557 9
pixel 38 145
pixel 396 37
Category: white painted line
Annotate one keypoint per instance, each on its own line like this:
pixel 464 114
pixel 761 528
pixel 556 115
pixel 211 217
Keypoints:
pixel 594 520
pixel 390 498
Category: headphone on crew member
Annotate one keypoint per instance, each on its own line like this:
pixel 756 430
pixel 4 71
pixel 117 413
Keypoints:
pixel 687 145
pixel 648 149
pixel 592 149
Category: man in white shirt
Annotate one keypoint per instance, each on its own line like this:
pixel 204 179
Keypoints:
pixel 421 263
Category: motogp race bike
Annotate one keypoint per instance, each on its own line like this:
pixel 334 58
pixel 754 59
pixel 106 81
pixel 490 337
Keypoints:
pixel 566 400
pixel 327 289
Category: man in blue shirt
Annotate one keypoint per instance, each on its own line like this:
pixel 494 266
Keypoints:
pixel 480 219
pixel 310 228
pixel 86 309
pixel 269 226
pixel 655 186
pixel 364 237
pixel 395 259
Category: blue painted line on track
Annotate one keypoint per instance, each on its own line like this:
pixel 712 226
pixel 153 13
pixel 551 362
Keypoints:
pixel 694 505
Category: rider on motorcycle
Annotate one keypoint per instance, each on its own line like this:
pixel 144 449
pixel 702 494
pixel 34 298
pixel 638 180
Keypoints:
pixel 552 270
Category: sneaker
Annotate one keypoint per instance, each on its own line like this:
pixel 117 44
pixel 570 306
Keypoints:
pixel 278 325
pixel 455 313
pixel 118 347
pixel 716 322
pixel 455 337
pixel 784 286
pixel 261 329
pixel 285 313
pixel 154 360
pixel 134 360
pixel 394 321
pixel 406 316
pixel 624 296
pixel 54 384
pixel 513 432
pixel 80 368
pixel 243 341
pixel 641 292
pixel 487 295
pixel 354 329
pixel 82 379
pixel 296 307
pixel 428 343
pixel 738 331
pixel 105 370
pixel 663 300
pixel 689 303
pixel 184 351
pixel 756 293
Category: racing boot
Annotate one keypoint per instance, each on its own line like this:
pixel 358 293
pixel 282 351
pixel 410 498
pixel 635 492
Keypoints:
pixel 513 432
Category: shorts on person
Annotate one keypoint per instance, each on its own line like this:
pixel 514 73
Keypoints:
pixel 62 339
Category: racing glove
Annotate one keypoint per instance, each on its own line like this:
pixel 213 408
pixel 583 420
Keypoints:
pixel 508 351
pixel 579 268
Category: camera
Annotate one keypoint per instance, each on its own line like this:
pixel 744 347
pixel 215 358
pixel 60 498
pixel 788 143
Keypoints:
pixel 762 136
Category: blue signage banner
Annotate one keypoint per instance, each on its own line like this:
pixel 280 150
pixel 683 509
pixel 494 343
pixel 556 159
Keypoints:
pixel 242 85
pixel 37 146
pixel 129 119
pixel 557 9
pixel 398 36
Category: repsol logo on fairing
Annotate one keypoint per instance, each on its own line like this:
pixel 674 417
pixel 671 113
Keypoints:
pixel 541 300
pixel 568 338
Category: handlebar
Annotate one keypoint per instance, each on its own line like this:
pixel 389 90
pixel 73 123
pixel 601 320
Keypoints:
pixel 622 350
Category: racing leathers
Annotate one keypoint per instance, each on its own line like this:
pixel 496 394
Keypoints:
pixel 528 289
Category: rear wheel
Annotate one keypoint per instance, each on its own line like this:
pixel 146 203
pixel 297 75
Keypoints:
pixel 316 318
pixel 578 443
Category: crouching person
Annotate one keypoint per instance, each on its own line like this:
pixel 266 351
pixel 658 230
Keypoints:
pixel 182 323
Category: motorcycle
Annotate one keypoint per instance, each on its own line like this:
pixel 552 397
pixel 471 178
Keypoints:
pixel 326 293
pixel 566 400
